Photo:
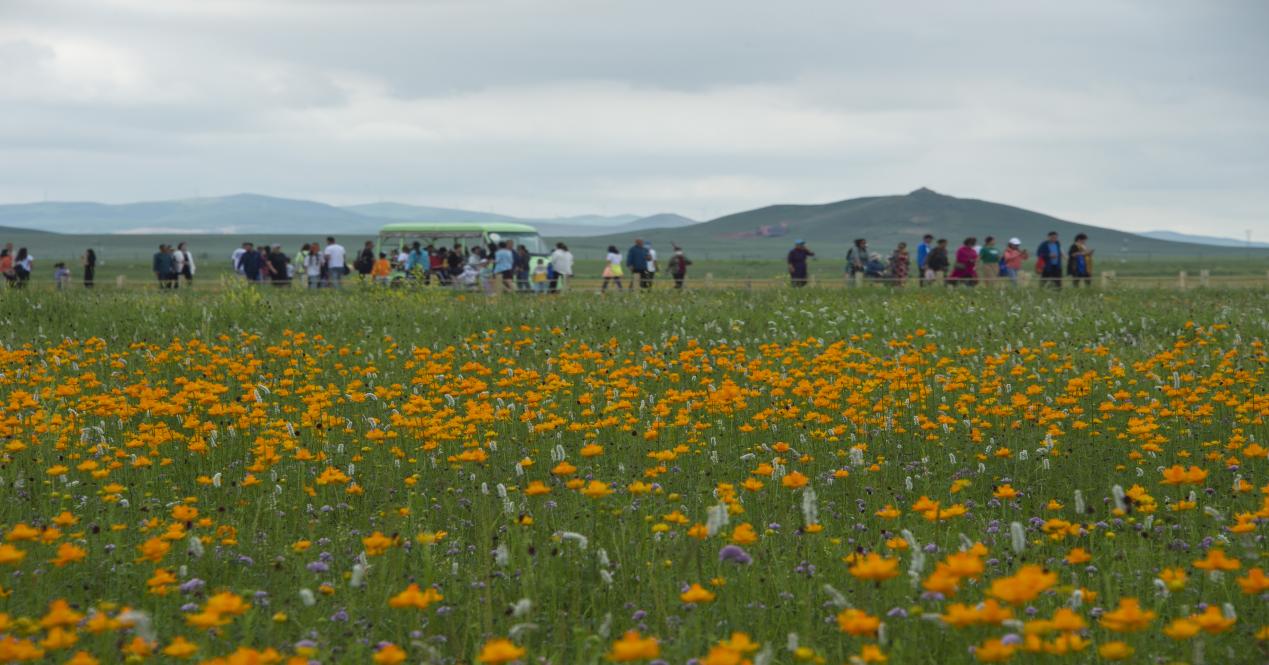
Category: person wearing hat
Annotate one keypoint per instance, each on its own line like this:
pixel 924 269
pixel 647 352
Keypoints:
pixel 1011 263
pixel 797 263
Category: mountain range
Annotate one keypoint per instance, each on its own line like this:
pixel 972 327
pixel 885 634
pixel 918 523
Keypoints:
pixel 248 214
pixel 1215 241
pixel 765 232
pixel 885 221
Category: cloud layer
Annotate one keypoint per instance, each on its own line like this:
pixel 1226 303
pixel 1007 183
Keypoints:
pixel 1133 114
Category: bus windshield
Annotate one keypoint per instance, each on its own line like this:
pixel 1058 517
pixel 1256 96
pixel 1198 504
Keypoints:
pixel 531 241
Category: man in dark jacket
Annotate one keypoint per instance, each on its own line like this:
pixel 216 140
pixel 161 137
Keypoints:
pixel 637 261
pixel 251 265
pixel 1050 255
pixel 165 267
pixel 797 263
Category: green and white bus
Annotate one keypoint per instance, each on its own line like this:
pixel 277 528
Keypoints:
pixel 394 237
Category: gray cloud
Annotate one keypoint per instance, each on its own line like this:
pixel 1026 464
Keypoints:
pixel 1133 114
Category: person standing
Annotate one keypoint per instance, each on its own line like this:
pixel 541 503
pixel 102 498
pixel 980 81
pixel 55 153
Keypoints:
pixel 249 263
pixel 989 261
pixel 637 261
pixel 797 263
pixel 186 260
pixel 856 260
pixel 282 270
pixel 1049 261
pixel 678 267
pixel 23 265
pixel 1079 263
pixel 522 261
pixel 965 271
pixel 335 266
pixel 1011 264
pixel 505 265
pixel 365 261
pixel 652 263
pixel 899 265
pixel 89 260
pixel 164 266
pixel 236 257
pixel 6 266
pixel 561 262
pixel 937 262
pixel 923 252
pixel 382 270
pixel 314 261
pixel 612 268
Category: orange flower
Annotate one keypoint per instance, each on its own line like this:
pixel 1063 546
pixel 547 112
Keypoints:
pixel 499 651
pixel 794 480
pixel 1255 582
pixel 874 567
pixel 1022 587
pixel 1128 617
pixel 413 596
pixel 857 622
pixel 1216 560
pixel 632 646
pixel 697 594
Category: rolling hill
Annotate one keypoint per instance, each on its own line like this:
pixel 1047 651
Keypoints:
pixel 885 221
pixel 1215 241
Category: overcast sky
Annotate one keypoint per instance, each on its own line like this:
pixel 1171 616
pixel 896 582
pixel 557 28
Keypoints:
pixel 1149 114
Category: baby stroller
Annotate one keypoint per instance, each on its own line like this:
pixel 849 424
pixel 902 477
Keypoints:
pixel 875 268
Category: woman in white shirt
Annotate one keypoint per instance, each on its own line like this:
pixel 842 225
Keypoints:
pixel 313 261
pixel 612 268
pixel 561 261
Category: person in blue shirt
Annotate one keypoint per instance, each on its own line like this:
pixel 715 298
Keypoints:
pixel 1050 258
pixel 1080 262
pixel 637 261
pixel 923 251
pixel 504 265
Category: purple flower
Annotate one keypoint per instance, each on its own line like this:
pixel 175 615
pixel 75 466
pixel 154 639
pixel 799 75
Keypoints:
pixel 192 586
pixel 317 567
pixel 734 554
pixel 339 616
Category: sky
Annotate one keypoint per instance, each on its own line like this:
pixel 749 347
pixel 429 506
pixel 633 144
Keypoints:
pixel 1131 114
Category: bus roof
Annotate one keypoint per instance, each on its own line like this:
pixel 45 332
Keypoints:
pixel 456 227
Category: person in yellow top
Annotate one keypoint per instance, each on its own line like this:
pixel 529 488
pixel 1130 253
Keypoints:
pixel 381 269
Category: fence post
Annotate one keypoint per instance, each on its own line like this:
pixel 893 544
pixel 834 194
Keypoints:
pixel 1181 280
pixel 1204 278
pixel 119 281
pixel 709 280
pixel 859 278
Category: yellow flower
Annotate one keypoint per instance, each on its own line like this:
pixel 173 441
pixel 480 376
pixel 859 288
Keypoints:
pixel 794 480
pixel 1173 578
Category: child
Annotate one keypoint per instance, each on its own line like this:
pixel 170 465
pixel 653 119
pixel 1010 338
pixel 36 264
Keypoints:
pixel 61 275
pixel 381 269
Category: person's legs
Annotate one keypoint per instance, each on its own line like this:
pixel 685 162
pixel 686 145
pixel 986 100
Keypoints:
pixel 335 277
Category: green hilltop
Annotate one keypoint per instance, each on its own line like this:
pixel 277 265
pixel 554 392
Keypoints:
pixel 829 229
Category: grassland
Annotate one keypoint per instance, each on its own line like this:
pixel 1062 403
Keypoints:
pixel 768 477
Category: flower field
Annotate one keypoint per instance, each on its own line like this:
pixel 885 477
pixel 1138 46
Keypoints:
pixel 711 478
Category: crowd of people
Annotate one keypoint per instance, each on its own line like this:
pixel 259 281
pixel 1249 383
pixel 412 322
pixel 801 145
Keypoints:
pixel 972 263
pixel 508 267
pixel 17 266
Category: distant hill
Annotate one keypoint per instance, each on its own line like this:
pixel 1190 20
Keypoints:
pixel 551 229
pixel 1214 241
pixel 237 214
pixel 407 212
pixel 885 221
pixel 6 231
